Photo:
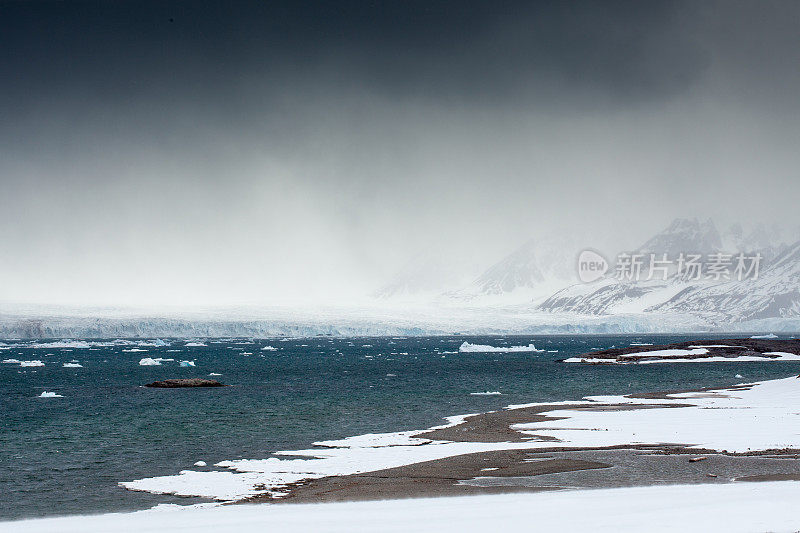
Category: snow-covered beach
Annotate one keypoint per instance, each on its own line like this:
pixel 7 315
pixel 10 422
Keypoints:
pixel 751 427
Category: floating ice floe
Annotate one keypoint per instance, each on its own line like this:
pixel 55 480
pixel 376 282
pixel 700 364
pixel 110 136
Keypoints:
pixel 134 350
pixel 46 394
pixel 72 365
pixel 214 374
pixel 487 393
pixel 149 361
pixel 484 348
pixel 12 361
pixel 31 363
pixel 187 363
pixel 269 349
pixel 200 463
pixel 767 336
pixel 195 344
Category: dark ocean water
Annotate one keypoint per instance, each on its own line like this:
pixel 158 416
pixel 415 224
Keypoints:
pixel 66 455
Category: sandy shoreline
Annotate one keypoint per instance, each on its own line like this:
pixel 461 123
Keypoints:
pixel 723 459
pixel 525 470
pixel 744 431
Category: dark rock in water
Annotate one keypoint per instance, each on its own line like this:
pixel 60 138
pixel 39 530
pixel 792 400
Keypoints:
pixel 184 383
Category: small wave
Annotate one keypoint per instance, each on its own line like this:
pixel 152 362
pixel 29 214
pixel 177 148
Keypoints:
pixel 487 393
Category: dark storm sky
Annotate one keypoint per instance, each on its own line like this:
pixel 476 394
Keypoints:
pixel 203 153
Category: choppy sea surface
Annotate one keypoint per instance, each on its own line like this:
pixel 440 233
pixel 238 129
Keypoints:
pixel 66 454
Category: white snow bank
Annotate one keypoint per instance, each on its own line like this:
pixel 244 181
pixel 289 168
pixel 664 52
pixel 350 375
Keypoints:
pixel 46 394
pixel 729 508
pixel 483 348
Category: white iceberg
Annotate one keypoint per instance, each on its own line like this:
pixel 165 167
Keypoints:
pixel 149 361
pixel 195 344
pixel 485 348
pixel 72 365
pixel 31 363
pixel 46 394
pixel 269 349
pixel 187 363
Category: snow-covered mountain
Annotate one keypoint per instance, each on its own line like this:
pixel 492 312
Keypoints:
pixel 775 294
pixel 540 277
pixel 426 276
pixel 684 235
pixel 682 294
pixel 518 270
pixel 531 272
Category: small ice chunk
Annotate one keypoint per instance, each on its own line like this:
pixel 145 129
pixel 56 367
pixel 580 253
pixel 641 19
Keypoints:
pixel 269 349
pixel 187 363
pixel 72 365
pixel 149 361
pixel 487 393
pixel 31 363
pixel 200 463
pixel 46 394
pixel 195 344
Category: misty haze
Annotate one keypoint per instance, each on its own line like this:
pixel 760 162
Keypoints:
pixel 341 223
